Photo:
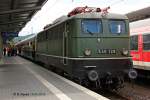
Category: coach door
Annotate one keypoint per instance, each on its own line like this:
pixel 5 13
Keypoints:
pixel 140 48
pixel 65 43
pixel 146 51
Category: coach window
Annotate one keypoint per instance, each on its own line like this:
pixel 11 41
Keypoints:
pixel 91 26
pixel 117 26
pixel 134 42
pixel 146 42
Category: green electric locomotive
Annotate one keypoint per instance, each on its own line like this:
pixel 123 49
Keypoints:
pixel 90 45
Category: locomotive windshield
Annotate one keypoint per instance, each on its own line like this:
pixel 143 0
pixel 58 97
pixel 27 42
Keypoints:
pixel 91 26
pixel 117 27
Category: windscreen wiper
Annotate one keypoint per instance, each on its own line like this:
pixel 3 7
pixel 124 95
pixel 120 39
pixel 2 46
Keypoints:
pixel 89 32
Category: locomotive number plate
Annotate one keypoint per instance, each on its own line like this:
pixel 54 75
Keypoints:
pixel 106 51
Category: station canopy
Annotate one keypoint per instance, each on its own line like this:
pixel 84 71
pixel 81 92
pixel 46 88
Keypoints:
pixel 139 14
pixel 14 14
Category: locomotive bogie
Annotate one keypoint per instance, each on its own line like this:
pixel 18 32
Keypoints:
pixel 103 67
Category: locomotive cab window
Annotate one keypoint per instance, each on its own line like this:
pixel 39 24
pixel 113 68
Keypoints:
pixel 91 26
pixel 117 26
pixel 146 42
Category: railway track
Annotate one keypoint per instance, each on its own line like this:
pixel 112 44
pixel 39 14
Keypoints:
pixel 143 81
pixel 111 95
pixel 134 92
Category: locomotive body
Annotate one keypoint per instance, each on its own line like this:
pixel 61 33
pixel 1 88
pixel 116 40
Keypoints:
pixel 91 47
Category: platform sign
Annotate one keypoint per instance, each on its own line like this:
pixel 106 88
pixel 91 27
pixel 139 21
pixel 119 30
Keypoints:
pixel 7 36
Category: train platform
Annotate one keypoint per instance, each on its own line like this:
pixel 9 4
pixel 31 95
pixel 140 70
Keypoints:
pixel 21 79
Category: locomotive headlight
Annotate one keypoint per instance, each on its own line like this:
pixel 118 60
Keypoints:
pixel 125 52
pixel 87 52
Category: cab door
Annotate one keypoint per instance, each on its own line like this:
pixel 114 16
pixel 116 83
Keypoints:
pixel 140 47
pixel 65 43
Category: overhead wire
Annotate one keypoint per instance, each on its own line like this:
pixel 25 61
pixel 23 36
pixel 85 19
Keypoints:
pixel 56 1
pixel 117 2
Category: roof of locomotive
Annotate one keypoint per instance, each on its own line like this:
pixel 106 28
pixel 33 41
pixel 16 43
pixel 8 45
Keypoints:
pixel 91 15
pixel 100 15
